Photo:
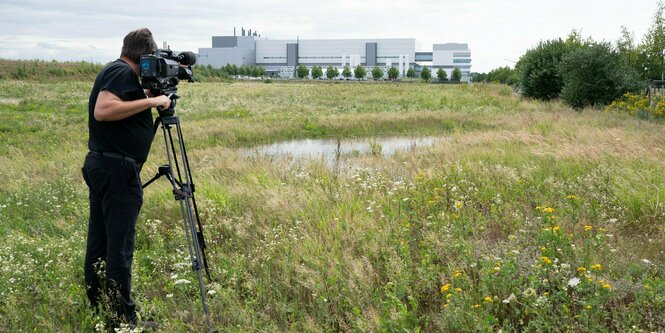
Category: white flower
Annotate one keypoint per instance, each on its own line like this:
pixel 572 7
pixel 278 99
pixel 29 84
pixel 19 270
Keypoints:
pixel 646 261
pixel 574 282
pixel 182 281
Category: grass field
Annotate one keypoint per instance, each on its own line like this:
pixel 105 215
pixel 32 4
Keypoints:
pixel 529 216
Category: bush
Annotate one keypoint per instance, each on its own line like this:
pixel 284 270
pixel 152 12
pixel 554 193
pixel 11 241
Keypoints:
pixel 539 72
pixel 637 105
pixel 594 75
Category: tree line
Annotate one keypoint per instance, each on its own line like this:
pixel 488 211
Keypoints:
pixel 359 72
pixel 583 72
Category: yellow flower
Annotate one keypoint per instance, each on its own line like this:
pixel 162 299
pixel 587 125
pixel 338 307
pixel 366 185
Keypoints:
pixel 449 295
pixel 457 274
pixel 459 204
pixel 589 307
pixel 587 228
pixel 546 293
pixel 546 260
pixel 581 270
pixel 548 210
pixel 597 267
pixel 475 306
pixel 459 290
pixel 487 299
pixel 606 285
pixel 571 197
pixel 445 287
pixel 555 228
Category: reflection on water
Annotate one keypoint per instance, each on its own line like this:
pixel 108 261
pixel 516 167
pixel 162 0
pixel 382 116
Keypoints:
pixel 330 149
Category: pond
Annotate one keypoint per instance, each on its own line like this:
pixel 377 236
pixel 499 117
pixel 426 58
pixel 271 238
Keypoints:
pixel 331 149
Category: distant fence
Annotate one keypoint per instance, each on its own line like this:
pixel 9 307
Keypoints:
pixel 656 91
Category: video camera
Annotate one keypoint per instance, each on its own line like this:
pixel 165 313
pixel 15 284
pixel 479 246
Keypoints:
pixel 162 71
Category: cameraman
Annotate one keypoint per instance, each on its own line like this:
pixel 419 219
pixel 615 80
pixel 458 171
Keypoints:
pixel 120 134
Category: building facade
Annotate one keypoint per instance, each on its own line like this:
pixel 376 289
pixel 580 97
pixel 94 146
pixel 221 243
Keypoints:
pixel 281 57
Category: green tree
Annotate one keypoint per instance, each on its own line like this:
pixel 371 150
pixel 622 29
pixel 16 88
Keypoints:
pixel 425 74
pixel 411 73
pixel 377 73
pixel 594 75
pixel 393 73
pixel 456 75
pixel 441 74
pixel 501 75
pixel 317 72
pixel 628 50
pixel 478 77
pixel 302 71
pixel 653 45
pixel 359 72
pixel 538 69
pixel 346 72
pixel 332 72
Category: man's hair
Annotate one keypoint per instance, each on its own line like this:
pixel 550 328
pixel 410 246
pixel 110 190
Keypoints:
pixel 137 43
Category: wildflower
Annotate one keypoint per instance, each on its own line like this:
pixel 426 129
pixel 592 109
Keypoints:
pixel 487 299
pixel 459 290
pixel 459 205
pixel 529 292
pixel 581 270
pixel 449 296
pixel 574 282
pixel 510 298
pixel 546 260
pixel 587 228
pixel 555 228
pixel 182 281
pixel 457 274
pixel 548 210
pixel 589 307
pixel 597 267
pixel 445 287
pixel 475 306
pixel 606 285
pixel 646 261
pixel 571 197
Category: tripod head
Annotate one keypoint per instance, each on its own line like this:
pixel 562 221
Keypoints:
pixel 170 111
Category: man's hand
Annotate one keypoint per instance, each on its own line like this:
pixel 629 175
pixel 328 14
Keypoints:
pixel 161 101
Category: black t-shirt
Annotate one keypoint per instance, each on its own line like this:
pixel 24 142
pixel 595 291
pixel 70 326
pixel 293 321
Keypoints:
pixel 131 136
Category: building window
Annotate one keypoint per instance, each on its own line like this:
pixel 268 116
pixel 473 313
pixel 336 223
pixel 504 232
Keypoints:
pixel 462 54
pixel 461 61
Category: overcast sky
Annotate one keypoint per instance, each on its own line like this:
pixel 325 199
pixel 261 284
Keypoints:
pixel 498 32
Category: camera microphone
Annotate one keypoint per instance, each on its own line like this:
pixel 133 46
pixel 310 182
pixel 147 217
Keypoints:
pixel 186 58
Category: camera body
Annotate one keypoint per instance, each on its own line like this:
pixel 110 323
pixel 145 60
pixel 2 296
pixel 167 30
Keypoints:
pixel 162 71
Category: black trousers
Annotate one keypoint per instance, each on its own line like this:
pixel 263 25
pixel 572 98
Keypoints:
pixel 116 197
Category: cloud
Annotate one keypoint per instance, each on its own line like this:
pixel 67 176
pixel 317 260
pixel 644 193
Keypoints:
pixel 494 30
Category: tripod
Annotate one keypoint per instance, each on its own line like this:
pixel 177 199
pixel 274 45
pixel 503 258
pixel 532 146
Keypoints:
pixel 183 191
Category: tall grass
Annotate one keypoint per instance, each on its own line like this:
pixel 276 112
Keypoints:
pixel 528 217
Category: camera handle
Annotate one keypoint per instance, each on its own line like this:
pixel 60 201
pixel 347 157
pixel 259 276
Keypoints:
pixel 183 191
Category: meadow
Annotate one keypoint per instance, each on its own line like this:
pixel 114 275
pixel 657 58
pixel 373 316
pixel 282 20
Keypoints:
pixel 525 216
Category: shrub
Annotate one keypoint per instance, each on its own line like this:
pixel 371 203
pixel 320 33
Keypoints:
pixel 538 70
pixel 595 74
pixel 637 105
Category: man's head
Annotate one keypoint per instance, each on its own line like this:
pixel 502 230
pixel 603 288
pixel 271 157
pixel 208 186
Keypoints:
pixel 137 43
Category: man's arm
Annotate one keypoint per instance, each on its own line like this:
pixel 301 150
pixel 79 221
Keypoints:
pixel 110 107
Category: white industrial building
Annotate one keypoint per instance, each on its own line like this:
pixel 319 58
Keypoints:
pixel 281 57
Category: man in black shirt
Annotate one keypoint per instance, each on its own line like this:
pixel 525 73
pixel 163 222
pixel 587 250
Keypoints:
pixel 120 135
